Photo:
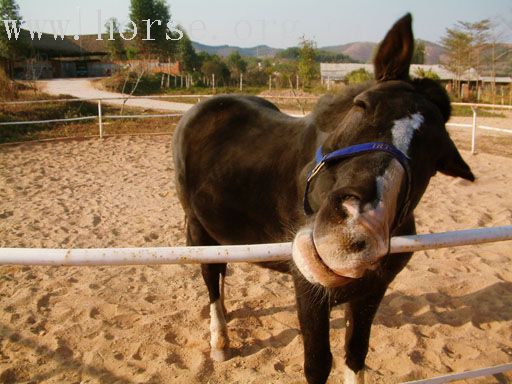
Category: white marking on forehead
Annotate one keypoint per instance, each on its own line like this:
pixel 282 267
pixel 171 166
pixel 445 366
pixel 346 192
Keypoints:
pixel 403 131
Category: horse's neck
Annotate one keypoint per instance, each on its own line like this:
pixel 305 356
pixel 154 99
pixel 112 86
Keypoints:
pixel 312 138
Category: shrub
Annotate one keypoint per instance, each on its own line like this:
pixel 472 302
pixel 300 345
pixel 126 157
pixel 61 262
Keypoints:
pixel 358 76
pixel 126 81
pixel 8 89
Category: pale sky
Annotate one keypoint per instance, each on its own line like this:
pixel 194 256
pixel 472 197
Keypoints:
pixel 280 23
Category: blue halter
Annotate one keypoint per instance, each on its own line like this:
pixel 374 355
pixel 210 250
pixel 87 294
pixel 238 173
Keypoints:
pixel 356 150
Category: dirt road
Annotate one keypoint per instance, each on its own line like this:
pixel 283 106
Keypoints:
pixel 83 88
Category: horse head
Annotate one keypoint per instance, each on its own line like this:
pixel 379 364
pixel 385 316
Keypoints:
pixel 379 145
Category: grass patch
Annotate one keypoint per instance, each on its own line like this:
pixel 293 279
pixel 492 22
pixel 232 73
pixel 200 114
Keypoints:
pixel 71 109
pixel 150 84
pixel 210 91
pixel 147 85
pixel 460 110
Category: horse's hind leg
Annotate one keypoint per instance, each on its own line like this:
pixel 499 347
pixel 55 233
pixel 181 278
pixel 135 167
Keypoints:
pixel 219 341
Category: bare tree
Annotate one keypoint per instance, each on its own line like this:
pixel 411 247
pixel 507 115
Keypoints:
pixel 479 33
pixel 128 75
pixel 496 52
pixel 458 46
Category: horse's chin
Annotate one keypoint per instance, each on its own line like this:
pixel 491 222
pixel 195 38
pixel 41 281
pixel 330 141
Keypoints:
pixel 310 264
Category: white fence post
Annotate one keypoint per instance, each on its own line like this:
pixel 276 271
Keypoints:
pixel 473 131
pixel 100 118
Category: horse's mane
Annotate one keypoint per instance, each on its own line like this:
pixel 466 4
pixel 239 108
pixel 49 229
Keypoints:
pixel 330 108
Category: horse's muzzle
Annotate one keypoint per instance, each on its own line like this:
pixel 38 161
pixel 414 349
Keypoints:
pixel 332 253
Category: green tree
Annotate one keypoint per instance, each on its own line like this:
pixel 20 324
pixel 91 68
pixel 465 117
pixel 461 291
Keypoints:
pixel 167 48
pixel 237 65
pixel 213 65
pixel 289 53
pixel 115 47
pixel 358 76
pixel 322 56
pixel 307 66
pixel 429 74
pixel 10 48
pixel 267 66
pixel 255 75
pixel 286 73
pixel 187 55
pixel 157 11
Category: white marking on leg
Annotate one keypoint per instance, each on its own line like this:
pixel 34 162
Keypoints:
pixel 219 341
pixel 222 295
pixel 351 377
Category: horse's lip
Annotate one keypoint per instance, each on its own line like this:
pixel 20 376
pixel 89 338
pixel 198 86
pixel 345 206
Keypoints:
pixel 355 274
pixel 311 260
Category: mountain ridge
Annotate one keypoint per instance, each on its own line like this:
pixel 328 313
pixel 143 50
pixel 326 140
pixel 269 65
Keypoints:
pixel 359 51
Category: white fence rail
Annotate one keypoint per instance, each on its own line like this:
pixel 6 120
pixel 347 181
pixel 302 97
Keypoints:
pixel 465 375
pixel 474 126
pixel 100 117
pixel 232 253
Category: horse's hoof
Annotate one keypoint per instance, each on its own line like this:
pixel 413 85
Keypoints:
pixel 353 378
pixel 219 355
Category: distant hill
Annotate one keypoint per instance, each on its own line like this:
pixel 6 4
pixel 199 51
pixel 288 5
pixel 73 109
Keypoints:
pixel 363 51
pixel 226 50
pixel 360 51
pixel 433 52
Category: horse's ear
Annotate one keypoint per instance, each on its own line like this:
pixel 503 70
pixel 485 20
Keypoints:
pixel 436 94
pixel 393 58
pixel 451 162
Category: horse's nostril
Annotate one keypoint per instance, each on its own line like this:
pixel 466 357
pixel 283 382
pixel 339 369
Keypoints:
pixel 358 246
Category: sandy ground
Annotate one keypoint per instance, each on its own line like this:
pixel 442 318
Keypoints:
pixel 450 310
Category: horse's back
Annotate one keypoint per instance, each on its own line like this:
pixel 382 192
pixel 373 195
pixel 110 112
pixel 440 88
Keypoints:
pixel 219 116
pixel 230 155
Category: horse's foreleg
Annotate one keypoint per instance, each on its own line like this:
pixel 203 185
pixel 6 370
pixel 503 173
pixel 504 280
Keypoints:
pixel 313 311
pixel 359 316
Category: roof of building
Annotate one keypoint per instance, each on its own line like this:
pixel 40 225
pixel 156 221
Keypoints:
pixel 86 45
pixel 50 45
pixel 338 71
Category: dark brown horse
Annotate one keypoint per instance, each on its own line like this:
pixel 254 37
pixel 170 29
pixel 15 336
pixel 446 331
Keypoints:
pixel 339 183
